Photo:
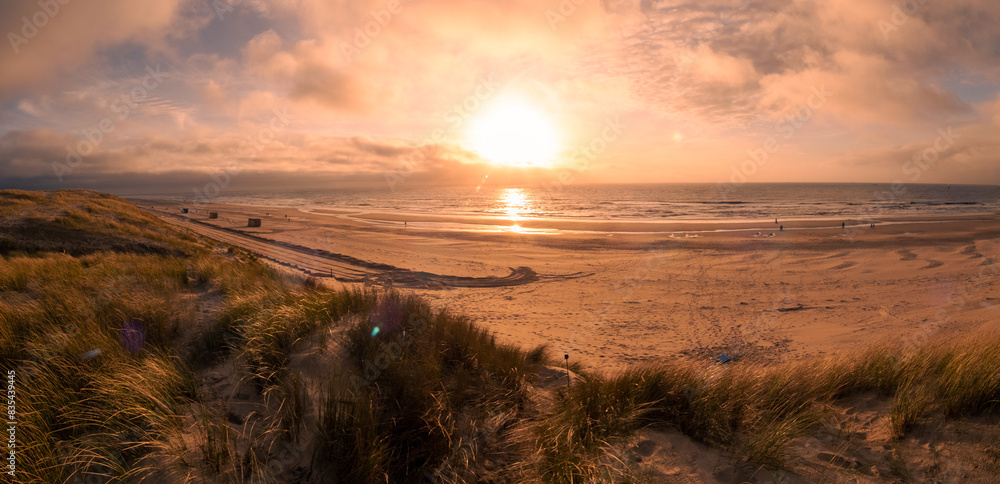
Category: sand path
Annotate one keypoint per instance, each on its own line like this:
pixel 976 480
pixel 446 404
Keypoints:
pixel 322 263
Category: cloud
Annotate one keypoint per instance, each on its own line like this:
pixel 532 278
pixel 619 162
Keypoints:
pixel 332 87
pixel 695 83
pixel 306 72
pixel 745 61
pixel 966 152
pixel 385 148
pixel 49 38
pixel 30 153
pixel 30 158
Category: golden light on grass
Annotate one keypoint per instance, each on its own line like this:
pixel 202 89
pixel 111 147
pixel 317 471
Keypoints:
pixel 243 370
pixel 513 132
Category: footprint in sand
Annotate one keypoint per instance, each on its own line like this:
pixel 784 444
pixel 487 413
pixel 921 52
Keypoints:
pixel 906 255
pixel 931 263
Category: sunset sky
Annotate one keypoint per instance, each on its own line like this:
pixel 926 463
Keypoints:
pixel 161 95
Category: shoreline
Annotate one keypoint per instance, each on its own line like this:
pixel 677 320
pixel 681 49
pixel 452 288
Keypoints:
pixel 654 227
pixel 549 225
pixel 646 297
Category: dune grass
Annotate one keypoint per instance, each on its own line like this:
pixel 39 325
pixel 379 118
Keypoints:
pixel 427 395
pixel 407 393
pixel 81 222
pixel 89 405
pixel 755 412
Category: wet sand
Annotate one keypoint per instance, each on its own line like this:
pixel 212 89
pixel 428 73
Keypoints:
pixel 614 293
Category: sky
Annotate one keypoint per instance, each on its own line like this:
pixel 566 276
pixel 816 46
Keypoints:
pixel 166 96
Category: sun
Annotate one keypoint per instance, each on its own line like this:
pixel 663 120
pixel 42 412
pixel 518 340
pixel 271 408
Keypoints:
pixel 512 132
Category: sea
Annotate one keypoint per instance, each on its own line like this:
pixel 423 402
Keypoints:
pixel 642 202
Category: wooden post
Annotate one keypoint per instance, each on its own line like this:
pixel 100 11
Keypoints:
pixel 566 356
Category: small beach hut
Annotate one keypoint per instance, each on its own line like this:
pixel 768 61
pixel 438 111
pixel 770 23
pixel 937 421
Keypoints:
pixel 213 214
pixel 254 222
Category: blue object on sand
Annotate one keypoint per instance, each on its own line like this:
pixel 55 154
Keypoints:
pixel 723 359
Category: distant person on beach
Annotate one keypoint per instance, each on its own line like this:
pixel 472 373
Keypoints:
pixel 843 225
pixel 781 227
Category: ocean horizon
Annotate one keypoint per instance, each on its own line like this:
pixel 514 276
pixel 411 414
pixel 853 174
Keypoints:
pixel 636 202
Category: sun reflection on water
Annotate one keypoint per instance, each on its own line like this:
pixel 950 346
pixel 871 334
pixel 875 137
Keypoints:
pixel 515 203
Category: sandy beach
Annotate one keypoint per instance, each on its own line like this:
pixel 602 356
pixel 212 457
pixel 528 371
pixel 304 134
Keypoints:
pixel 611 294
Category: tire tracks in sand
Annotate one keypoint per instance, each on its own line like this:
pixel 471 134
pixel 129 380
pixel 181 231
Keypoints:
pixel 344 268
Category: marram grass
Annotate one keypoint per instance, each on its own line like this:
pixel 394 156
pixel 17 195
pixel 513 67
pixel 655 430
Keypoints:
pixel 408 393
